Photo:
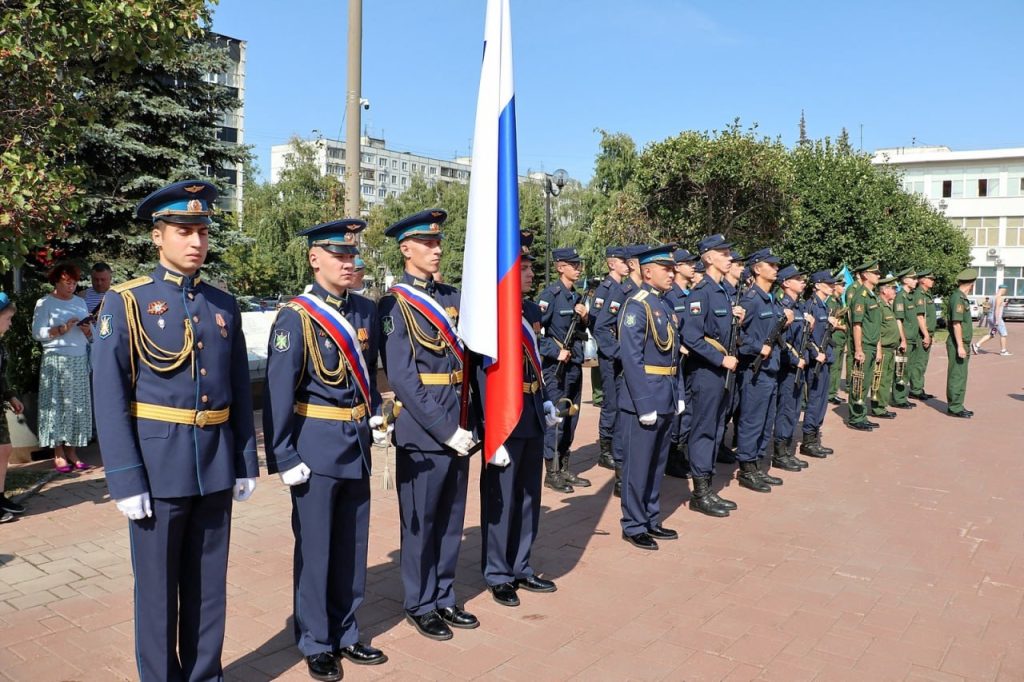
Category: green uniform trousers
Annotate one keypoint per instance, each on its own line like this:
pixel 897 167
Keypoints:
pixel 596 387
pixel 880 399
pixel 838 362
pixel 917 366
pixel 900 392
pixel 858 405
pixel 956 376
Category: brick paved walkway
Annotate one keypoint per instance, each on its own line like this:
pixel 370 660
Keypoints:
pixel 899 558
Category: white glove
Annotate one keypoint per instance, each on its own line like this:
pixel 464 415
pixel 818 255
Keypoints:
pixel 136 507
pixel 501 457
pixel 461 441
pixel 243 489
pixel 649 418
pixel 380 437
pixel 680 406
pixel 297 475
pixel 551 417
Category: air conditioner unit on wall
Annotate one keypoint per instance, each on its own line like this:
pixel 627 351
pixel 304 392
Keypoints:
pixel 992 253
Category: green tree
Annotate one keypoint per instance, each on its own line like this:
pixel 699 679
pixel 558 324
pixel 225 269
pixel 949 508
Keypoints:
pixel 50 50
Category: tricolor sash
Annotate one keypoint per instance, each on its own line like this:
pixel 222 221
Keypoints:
pixel 344 336
pixel 531 350
pixel 435 314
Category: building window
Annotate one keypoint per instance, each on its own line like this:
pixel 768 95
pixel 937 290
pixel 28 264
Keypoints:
pixel 1015 231
pixel 383 162
pixel 394 179
pixel 382 177
pixel 366 158
pixel 335 153
pixel 394 163
pixel 367 189
pixel 405 181
pixel 405 167
pixel 335 169
pixel 983 187
pixel 986 284
pixel 947 189
pixel 394 193
pixel 1013 278
pixel 982 231
pixel 433 170
pixel 382 192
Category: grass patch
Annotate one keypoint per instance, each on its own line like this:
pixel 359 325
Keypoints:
pixel 21 480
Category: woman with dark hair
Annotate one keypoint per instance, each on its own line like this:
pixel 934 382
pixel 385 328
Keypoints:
pixel 61 324
pixel 8 508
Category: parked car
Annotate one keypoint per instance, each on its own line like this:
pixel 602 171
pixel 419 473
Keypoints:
pixel 1014 308
pixel 940 321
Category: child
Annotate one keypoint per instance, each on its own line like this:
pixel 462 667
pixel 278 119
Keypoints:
pixel 8 508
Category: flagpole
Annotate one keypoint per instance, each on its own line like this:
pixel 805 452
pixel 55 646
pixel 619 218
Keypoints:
pixel 353 152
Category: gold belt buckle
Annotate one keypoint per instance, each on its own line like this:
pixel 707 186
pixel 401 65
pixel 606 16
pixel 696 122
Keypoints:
pixel 201 419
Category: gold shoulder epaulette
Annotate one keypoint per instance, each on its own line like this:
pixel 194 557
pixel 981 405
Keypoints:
pixel 132 283
pixel 641 295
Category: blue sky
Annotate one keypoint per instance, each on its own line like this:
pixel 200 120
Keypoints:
pixel 936 72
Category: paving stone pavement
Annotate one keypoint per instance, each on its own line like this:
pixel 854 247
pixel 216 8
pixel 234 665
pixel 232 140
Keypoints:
pixel 899 558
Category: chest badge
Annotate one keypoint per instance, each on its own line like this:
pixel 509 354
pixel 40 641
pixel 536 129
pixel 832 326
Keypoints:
pixel 157 307
pixel 161 323
pixel 363 334
pixel 222 324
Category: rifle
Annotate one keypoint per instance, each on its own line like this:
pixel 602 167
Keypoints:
pixel 771 341
pixel 577 331
pixel 829 341
pixel 805 338
pixel 734 338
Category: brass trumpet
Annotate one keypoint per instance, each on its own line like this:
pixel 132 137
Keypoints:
pixel 857 383
pixel 876 377
pixel 901 368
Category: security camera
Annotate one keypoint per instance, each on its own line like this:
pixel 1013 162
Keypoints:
pixel 365 103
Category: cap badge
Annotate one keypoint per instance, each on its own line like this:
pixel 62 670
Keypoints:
pixel 192 189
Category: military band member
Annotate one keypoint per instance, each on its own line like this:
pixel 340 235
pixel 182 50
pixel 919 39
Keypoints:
pixel 791 361
pixel 678 464
pixel 423 358
pixel 889 342
pixel 321 407
pixel 706 333
pixel 906 318
pixel 958 343
pixel 758 384
pixel 176 434
pixel 866 326
pixel 821 352
pixel 558 303
pixel 618 271
pixel 926 321
pixel 840 335
pixel 652 395
pixel 510 486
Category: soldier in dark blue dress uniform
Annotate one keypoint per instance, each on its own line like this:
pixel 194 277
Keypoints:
pixel 423 358
pixel 706 333
pixel 790 396
pixel 652 396
pixel 510 486
pixel 758 389
pixel 176 434
pixel 618 271
pixel 678 464
pixel 731 283
pixel 605 331
pixel 321 408
pixel 558 303
pixel 818 379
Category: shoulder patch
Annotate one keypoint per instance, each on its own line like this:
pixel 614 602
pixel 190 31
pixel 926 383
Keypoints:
pixel 695 308
pixel 630 320
pixel 131 284
pixel 543 305
pixel 106 326
pixel 387 325
pixel 282 340
pixel 598 302
pixel 614 307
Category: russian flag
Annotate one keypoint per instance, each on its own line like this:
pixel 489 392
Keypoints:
pixel 491 309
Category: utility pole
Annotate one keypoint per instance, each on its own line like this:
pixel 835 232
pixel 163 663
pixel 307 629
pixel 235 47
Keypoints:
pixel 353 152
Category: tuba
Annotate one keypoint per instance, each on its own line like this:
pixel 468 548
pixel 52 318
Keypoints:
pixel 901 368
pixel 857 383
pixel 876 377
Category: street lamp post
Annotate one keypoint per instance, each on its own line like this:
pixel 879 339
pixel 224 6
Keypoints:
pixel 553 185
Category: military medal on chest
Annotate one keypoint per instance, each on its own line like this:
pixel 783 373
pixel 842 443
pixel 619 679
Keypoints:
pixel 222 324
pixel 158 308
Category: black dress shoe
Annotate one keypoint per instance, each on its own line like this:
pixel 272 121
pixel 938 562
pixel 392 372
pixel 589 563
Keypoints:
pixel 431 625
pixel 363 654
pixel 659 532
pixel 970 412
pixel 963 414
pixel 641 540
pixel 457 618
pixel 904 406
pixel 836 401
pixel 9 505
pixel 505 594
pixel 870 423
pixel 885 415
pixel 536 584
pixel 922 396
pixel 859 426
pixel 324 667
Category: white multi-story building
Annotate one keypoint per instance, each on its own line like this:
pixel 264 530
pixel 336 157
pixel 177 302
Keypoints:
pixel 982 193
pixel 383 172
pixel 231 128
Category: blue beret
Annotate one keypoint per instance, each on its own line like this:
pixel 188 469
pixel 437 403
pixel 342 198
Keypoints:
pixel 684 256
pixel 661 255
pixel 184 203
pixel 425 224
pixel 823 277
pixel 715 241
pixel 567 254
pixel 615 252
pixel 788 272
pixel 762 256
pixel 336 236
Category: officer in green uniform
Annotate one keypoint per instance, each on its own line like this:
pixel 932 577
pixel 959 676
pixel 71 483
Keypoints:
pixel 958 344
pixel 865 330
pixel 890 340
pixel 837 309
pixel 925 311
pixel 906 317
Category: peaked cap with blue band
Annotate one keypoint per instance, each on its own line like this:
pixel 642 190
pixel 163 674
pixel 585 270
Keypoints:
pixel 336 236
pixel 189 202
pixel 424 225
pixel 660 255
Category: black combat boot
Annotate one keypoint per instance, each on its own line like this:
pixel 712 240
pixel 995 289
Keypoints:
pixel 553 479
pixel 568 476
pixel 605 459
pixel 791 452
pixel 720 501
pixel 701 499
pixel 678 463
pixel 617 488
pixel 765 476
pixel 817 440
pixel 781 458
pixel 749 476
pixel 809 446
